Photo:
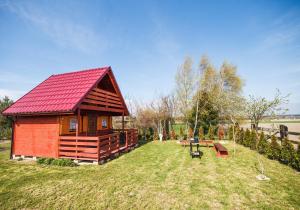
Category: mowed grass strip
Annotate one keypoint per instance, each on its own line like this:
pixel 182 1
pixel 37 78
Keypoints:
pixel 153 176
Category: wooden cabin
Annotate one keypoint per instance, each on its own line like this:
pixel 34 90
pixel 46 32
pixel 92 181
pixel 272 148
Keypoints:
pixel 70 116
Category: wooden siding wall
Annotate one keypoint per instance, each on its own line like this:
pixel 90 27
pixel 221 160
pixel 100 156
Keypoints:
pixel 102 100
pixel 65 124
pixel 36 136
pixel 99 122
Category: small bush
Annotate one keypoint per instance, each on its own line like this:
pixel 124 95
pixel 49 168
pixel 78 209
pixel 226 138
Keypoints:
pixel 253 140
pixel 246 141
pixel 230 133
pixel 56 162
pixel 297 158
pixel 173 134
pixel 41 160
pixel 155 136
pixel 273 151
pixel 191 133
pixel 288 154
pixel 201 134
pixel 262 144
pixel 48 161
pixel 221 132
pixel 181 132
pixel 241 136
pixel 211 133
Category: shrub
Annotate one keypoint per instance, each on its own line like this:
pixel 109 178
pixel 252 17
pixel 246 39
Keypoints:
pixel 155 136
pixel 191 133
pixel 173 134
pixel 5 133
pixel 41 160
pixel 57 162
pixel 241 136
pixel 221 132
pixel 211 132
pixel 288 154
pixel 246 141
pixel 48 161
pixel 253 140
pixel 181 132
pixel 201 134
pixel 237 133
pixel 273 151
pixel 297 158
pixel 262 145
pixel 230 133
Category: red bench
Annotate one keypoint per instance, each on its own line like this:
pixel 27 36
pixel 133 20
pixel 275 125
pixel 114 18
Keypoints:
pixel 221 150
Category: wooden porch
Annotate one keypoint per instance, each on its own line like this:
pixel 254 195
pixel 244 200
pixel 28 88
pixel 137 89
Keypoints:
pixel 97 148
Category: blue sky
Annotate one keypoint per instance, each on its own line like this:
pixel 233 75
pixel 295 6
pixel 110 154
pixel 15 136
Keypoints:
pixel 146 41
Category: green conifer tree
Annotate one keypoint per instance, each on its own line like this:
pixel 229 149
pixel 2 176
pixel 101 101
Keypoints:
pixel 181 132
pixel 297 162
pixel 247 138
pixel 262 145
pixel 211 132
pixel 201 134
pixel 253 140
pixel 288 153
pixel 230 133
pixel 273 151
pixel 241 136
pixel 237 134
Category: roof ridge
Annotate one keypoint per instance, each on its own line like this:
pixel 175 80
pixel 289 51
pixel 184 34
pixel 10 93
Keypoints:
pixel 78 71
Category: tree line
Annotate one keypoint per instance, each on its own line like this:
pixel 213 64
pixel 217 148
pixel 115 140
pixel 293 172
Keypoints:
pixel 204 96
pixel 5 122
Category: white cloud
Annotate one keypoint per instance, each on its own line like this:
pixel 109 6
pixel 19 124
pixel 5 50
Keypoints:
pixel 13 94
pixel 283 33
pixel 64 32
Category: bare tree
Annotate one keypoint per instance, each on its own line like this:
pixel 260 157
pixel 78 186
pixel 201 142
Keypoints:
pixel 203 66
pixel 259 107
pixel 185 89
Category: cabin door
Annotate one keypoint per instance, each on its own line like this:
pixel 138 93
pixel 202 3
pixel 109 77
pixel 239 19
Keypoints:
pixel 92 124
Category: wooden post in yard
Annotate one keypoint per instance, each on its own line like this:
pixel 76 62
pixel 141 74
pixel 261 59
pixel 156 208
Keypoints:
pixel 77 130
pixel 123 131
pixel 123 122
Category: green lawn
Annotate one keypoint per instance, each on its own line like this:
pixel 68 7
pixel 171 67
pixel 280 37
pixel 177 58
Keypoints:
pixel 153 176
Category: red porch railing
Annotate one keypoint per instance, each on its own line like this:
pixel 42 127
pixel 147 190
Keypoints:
pixel 95 148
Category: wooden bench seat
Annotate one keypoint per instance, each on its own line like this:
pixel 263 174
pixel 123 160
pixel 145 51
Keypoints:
pixel 221 150
pixel 184 143
pixel 207 143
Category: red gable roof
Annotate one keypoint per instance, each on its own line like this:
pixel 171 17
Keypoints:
pixel 59 93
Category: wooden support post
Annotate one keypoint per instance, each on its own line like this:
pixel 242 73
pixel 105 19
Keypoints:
pixel 123 121
pixel 126 140
pixel 77 131
pixel 98 149
pixel 109 146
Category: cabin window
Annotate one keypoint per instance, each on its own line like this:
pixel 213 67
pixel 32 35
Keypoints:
pixel 104 123
pixel 73 122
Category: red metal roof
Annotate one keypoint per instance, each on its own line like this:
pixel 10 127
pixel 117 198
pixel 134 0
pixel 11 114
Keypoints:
pixel 59 93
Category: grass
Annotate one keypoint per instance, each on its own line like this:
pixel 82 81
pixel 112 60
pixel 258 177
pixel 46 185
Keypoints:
pixel 154 176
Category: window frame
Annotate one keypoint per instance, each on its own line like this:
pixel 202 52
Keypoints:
pixel 72 124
